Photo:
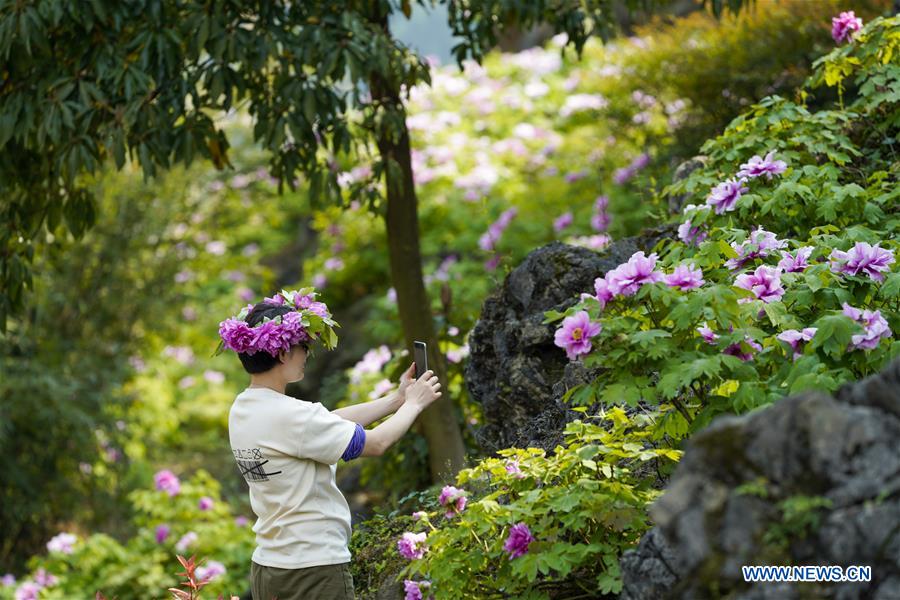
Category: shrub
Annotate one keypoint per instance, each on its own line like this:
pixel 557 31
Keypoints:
pixel 583 506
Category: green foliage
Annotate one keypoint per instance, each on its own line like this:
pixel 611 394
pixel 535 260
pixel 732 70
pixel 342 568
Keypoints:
pixel 373 546
pixel 842 177
pixel 800 516
pixel 142 567
pixel 112 82
pixel 584 506
pixel 767 50
pixel 65 364
pixel 838 190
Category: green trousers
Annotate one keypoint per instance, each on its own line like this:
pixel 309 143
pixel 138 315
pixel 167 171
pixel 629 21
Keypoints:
pixel 326 582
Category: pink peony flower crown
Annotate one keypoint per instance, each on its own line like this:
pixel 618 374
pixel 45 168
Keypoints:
pixel 309 321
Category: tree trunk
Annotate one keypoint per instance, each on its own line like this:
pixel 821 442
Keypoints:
pixel 446 451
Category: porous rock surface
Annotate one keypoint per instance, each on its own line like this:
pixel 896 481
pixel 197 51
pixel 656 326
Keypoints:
pixel 514 369
pixel 843 448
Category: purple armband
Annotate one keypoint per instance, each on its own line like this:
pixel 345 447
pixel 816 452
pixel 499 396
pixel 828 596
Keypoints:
pixel 355 447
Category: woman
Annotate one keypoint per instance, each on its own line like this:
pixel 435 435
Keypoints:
pixel 287 449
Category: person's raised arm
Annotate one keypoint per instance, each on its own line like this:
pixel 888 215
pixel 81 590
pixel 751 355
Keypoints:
pixel 365 413
pixel 419 396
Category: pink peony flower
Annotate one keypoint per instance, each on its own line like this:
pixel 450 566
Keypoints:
pixel 862 258
pixel 600 221
pixel 183 354
pixel 736 350
pixel 382 387
pixel 415 590
pixel 490 238
pixel 448 494
pixel 333 264
pixel 507 216
pixel 162 532
pixel 723 198
pixel 411 545
pixel 594 242
pixel 576 175
pixel 579 102
pixel 622 175
pixel 689 234
pixel 214 376
pixel 563 221
pixel 757 167
pixel 512 467
pixel 518 541
pixel 216 247
pixel 759 244
pixel 602 291
pixel 797 262
pixel 205 503
pixel 45 579
pixel 486 241
pixel 267 337
pixel 166 481
pixel 707 334
pixel 794 338
pixel 62 542
pixel 28 591
pixel 185 541
pixel 8 580
pixel 627 278
pixel 576 333
pixel 237 335
pixel 302 301
pixel 765 283
pixel 844 26
pixel 241 520
pixel 419 515
pixel 640 161
pixel 210 570
pixel 456 355
pixel 457 507
pixel 685 277
pixel 454 499
pixel 875 328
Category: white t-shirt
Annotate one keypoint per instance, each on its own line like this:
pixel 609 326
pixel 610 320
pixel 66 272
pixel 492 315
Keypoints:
pixel 287 451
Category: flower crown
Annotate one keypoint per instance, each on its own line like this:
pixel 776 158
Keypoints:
pixel 309 321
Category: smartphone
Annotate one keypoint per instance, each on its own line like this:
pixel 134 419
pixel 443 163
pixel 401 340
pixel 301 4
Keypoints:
pixel 421 354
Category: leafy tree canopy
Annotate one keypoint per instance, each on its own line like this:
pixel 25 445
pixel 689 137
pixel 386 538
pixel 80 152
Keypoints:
pixel 83 83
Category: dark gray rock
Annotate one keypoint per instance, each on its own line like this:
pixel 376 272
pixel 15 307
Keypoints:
pixel 844 449
pixel 390 588
pixel 514 369
pixel 676 203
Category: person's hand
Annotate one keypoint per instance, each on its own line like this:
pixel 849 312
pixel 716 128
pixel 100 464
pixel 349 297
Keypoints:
pixel 406 380
pixel 424 390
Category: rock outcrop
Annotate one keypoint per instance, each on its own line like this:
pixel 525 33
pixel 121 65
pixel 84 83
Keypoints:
pixel 810 480
pixel 514 369
pixel 678 202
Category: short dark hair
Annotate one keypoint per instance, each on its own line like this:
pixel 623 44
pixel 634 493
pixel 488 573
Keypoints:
pixel 262 361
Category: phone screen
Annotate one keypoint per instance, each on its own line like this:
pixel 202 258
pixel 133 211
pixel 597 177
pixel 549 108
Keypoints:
pixel 421 356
